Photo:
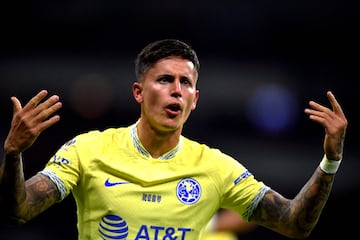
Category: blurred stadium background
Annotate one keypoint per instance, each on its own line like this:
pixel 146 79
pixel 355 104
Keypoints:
pixel 261 62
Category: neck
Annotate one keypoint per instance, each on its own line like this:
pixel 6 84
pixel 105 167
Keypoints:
pixel 157 142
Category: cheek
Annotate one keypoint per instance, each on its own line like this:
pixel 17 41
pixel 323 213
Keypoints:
pixel 191 104
pixel 151 97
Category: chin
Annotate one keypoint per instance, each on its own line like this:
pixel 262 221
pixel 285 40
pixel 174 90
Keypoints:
pixel 172 125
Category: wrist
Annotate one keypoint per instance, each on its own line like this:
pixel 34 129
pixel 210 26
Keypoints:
pixel 13 156
pixel 329 166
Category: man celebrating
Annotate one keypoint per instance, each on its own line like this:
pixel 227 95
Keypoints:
pixel 147 180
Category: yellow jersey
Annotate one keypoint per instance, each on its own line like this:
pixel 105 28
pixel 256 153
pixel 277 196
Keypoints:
pixel 121 192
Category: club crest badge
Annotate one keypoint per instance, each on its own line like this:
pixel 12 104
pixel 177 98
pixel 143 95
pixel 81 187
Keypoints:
pixel 188 191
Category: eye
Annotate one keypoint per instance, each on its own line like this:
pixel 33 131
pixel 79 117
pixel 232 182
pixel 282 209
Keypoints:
pixel 165 79
pixel 185 81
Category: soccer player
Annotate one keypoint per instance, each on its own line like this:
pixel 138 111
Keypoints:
pixel 147 180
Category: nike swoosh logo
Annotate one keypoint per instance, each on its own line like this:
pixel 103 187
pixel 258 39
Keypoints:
pixel 111 184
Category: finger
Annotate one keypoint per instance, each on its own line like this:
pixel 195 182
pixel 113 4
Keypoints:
pixel 34 102
pixel 49 122
pixel 317 110
pixel 316 106
pixel 46 108
pixel 49 110
pixel 50 102
pixel 16 105
pixel 334 103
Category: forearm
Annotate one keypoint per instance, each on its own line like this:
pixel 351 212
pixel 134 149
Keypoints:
pixel 12 185
pixel 295 218
pixel 310 201
pixel 22 201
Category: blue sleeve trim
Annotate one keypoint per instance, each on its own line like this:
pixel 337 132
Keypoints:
pixel 58 182
pixel 249 211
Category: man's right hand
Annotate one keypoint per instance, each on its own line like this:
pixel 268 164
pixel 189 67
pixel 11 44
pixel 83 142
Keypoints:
pixel 30 121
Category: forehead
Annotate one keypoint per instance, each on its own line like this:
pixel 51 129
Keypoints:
pixel 175 64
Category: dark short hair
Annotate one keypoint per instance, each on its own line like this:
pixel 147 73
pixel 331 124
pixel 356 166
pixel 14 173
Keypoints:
pixel 160 49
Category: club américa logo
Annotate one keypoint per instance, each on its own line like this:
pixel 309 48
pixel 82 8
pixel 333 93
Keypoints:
pixel 188 191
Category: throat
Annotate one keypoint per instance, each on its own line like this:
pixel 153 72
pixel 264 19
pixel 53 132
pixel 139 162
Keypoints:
pixel 156 148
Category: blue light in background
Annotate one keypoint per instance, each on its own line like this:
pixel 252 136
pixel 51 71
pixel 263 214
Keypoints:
pixel 272 108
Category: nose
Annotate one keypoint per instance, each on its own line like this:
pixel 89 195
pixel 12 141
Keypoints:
pixel 176 88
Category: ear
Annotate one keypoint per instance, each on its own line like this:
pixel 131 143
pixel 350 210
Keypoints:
pixel 137 92
pixel 195 100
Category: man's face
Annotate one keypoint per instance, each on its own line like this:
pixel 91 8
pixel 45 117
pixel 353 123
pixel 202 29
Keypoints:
pixel 167 93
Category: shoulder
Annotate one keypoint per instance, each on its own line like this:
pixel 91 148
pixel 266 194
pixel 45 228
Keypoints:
pixel 212 155
pixel 108 133
pixel 97 138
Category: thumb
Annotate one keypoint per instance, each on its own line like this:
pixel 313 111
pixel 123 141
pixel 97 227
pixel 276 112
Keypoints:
pixel 16 105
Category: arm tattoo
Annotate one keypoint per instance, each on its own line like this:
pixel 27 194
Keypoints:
pixel 41 193
pixel 20 200
pixel 296 217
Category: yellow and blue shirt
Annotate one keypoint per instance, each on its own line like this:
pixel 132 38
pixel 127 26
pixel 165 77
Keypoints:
pixel 121 192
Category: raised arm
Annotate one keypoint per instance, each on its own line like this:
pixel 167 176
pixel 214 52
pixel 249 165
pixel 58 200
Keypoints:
pixel 296 218
pixel 21 201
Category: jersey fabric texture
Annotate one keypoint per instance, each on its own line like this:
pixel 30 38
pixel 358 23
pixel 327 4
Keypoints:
pixel 121 192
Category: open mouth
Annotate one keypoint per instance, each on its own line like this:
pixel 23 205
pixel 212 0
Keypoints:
pixel 173 109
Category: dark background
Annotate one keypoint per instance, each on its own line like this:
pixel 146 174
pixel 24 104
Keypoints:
pixel 261 62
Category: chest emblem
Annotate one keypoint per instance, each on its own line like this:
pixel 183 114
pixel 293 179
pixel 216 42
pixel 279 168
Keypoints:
pixel 188 191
